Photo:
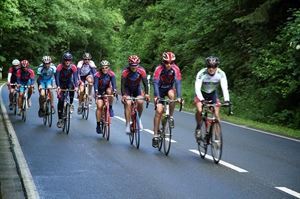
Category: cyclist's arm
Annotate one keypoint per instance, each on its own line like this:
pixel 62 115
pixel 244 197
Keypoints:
pixel 113 83
pixel 177 80
pixel 224 86
pixel 123 80
pixel 9 74
pixel 96 80
pixel 145 83
pixel 32 75
pixel 198 85
pixel 75 76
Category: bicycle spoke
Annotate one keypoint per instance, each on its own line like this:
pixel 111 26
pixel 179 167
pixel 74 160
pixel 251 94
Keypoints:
pixel 216 142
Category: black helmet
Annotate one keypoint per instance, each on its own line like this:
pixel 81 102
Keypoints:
pixel 67 56
pixel 212 61
pixel 86 56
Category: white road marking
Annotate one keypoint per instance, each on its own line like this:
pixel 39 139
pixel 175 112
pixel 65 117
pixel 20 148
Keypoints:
pixel 120 118
pixel 226 164
pixel 289 191
pixel 151 132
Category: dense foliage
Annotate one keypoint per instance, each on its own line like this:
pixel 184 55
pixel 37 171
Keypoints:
pixel 258 42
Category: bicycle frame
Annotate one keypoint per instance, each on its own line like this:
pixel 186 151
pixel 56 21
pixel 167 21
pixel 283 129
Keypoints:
pixel 66 110
pixel 85 103
pixel 165 132
pixel 105 116
pixel 135 126
pixel 47 106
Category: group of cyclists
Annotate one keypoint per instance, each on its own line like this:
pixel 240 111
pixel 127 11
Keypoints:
pixel 166 83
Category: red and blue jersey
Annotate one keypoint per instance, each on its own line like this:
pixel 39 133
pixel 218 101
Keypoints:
pixel 13 70
pixel 131 81
pixel 164 79
pixel 66 76
pixel 103 81
pixel 25 76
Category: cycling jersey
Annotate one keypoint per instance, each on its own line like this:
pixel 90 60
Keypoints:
pixel 104 81
pixel 66 77
pixel 25 77
pixel 131 81
pixel 12 74
pixel 86 69
pixel 46 75
pixel 164 80
pixel 208 84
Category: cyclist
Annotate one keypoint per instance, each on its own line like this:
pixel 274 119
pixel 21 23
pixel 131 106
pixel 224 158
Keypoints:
pixel 12 79
pixel 207 81
pixel 86 71
pixel 165 76
pixel 66 78
pixel 105 83
pixel 131 79
pixel 46 75
pixel 25 77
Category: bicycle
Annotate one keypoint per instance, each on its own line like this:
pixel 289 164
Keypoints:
pixel 85 105
pixel 134 134
pixel 66 111
pixel 24 106
pixel 47 106
pixel 105 121
pixel 165 132
pixel 210 132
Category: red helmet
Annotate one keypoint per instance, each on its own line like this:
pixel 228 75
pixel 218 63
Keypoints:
pixel 168 57
pixel 133 60
pixel 24 63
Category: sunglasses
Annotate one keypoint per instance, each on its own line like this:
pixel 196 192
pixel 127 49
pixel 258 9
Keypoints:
pixel 87 59
pixel 168 63
pixel 67 60
pixel 104 67
pixel 213 66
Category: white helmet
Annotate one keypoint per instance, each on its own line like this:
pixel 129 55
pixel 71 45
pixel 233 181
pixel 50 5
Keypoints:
pixel 15 62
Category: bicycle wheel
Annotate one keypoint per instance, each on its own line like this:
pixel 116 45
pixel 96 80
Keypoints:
pixel 45 114
pixel 132 129
pixel 67 119
pixel 161 138
pixel 137 131
pixel 106 132
pixel 49 113
pixel 202 144
pixel 15 104
pixel 167 137
pixel 216 142
pixel 87 108
pixel 24 107
pixel 82 110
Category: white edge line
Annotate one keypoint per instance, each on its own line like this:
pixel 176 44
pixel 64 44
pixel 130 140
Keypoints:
pixel 119 118
pixel 31 191
pixel 289 191
pixel 226 164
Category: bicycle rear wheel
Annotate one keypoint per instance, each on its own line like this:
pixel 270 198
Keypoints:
pixel 202 144
pixel 167 137
pixel 24 107
pixel 216 142
pixel 49 112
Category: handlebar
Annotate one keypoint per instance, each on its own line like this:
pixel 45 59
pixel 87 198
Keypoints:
pixel 139 98
pixel 208 104
pixel 169 100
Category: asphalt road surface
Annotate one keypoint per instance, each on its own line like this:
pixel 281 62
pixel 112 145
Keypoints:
pixel 84 165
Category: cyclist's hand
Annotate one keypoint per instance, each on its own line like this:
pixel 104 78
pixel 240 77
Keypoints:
pixel 180 100
pixel 76 89
pixel 58 89
pixel 124 97
pixel 147 97
pixel 8 83
pixel 227 103
pixel 156 100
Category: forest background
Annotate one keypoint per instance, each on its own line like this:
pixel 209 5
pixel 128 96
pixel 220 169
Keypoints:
pixel 257 41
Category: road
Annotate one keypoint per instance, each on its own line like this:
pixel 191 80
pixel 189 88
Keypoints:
pixel 84 165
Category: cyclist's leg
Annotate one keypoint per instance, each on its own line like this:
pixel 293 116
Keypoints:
pixel 90 81
pixel 81 89
pixel 42 98
pixel 157 118
pixel 99 115
pixel 198 114
pixel 71 95
pixel 60 107
pixel 171 96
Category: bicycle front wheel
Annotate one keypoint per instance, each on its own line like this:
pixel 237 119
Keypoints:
pixel 106 127
pixel 86 108
pixel 24 107
pixel 15 104
pixel 137 131
pixel 67 115
pixel 49 113
pixel 202 143
pixel 167 137
pixel 216 142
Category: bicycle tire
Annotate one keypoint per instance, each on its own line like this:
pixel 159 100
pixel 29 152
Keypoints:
pixel 216 142
pixel 202 145
pixel 45 114
pixel 103 121
pixel 15 104
pixel 24 107
pixel 49 113
pixel 132 129
pixel 106 125
pixel 82 110
pixel 66 126
pixel 137 131
pixel 167 137
pixel 87 108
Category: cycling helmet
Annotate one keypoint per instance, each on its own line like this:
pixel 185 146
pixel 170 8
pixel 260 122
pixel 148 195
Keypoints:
pixel 67 56
pixel 212 61
pixel 168 57
pixel 24 63
pixel 133 60
pixel 104 63
pixel 46 59
pixel 86 56
pixel 15 62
